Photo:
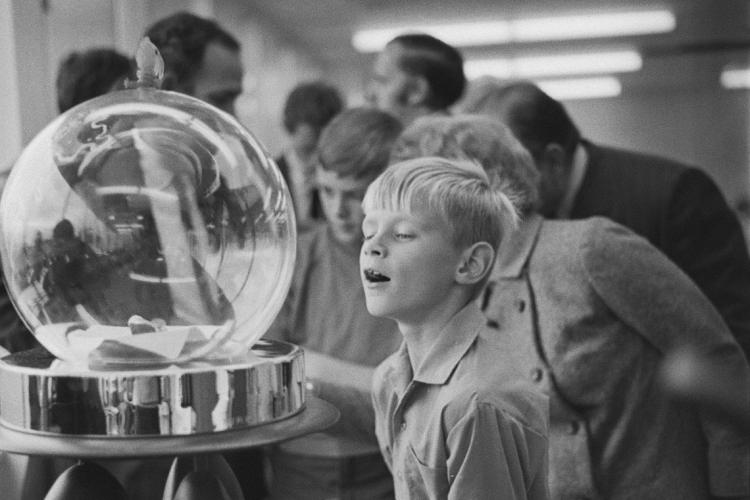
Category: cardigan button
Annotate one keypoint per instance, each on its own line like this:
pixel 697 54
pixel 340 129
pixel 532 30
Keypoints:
pixel 574 427
pixel 537 374
pixel 521 305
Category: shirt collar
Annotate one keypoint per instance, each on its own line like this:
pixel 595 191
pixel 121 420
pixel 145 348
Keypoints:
pixel 450 345
pixel 578 170
pixel 301 170
pixel 515 249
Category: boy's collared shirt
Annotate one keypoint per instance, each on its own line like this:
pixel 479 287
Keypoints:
pixel 465 425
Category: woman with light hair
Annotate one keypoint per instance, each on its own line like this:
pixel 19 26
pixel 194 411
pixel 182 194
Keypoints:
pixel 479 139
pixel 590 310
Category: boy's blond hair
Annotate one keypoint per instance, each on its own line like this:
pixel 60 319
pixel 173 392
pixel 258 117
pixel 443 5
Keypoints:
pixel 458 192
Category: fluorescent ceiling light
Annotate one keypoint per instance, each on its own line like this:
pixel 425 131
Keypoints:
pixel 736 78
pixel 533 29
pixel 555 65
pixel 457 34
pixel 582 88
pixel 592 26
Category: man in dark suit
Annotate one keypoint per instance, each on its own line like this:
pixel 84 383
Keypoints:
pixel 416 75
pixel 678 208
pixel 307 110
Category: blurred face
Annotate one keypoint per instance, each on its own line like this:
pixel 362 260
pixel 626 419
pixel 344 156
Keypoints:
pixel 219 80
pixel 388 88
pixel 408 265
pixel 304 140
pixel 341 198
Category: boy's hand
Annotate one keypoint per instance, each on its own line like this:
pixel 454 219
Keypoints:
pixel 337 371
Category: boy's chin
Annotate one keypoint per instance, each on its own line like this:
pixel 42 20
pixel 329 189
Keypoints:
pixel 379 308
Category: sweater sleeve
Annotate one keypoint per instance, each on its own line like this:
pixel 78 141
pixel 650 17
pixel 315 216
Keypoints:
pixel 653 296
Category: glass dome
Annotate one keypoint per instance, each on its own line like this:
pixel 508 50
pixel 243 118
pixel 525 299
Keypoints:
pixel 146 227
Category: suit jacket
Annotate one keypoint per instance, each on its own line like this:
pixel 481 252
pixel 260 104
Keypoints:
pixel 316 211
pixel 680 211
pixel 590 309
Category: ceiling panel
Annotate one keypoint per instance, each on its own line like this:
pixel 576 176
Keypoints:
pixel 709 33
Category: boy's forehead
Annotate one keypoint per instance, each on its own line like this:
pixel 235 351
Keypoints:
pixel 334 180
pixel 416 216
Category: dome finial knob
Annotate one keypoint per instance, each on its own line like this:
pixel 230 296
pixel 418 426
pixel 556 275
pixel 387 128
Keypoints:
pixel 149 63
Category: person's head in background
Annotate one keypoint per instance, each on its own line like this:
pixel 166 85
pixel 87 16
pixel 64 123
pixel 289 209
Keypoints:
pixel 541 124
pixel 415 75
pixel 480 139
pixel 83 75
pixel 201 59
pixel 353 149
pixel 431 229
pixel 309 107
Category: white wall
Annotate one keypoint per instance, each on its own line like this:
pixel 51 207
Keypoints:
pixel 27 78
pixel 10 125
pixel 34 37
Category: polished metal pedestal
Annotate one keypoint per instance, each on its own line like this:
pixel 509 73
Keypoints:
pixel 42 395
pixel 316 416
pixel 50 409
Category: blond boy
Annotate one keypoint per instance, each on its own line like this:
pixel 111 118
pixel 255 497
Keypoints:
pixel 454 418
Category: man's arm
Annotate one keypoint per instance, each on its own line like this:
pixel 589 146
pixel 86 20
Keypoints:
pixel 347 386
pixel 705 239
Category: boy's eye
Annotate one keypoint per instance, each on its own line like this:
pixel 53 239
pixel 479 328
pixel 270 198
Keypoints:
pixel 404 236
pixel 366 237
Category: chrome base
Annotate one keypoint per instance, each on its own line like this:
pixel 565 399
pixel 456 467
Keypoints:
pixel 44 396
pixel 316 416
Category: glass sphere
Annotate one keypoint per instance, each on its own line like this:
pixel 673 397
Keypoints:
pixel 146 227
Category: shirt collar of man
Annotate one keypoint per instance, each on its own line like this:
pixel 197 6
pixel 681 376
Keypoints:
pixel 515 250
pixel 578 171
pixel 449 347
pixel 301 179
pixel 300 170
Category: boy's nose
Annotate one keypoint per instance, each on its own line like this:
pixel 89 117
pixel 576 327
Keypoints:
pixel 373 248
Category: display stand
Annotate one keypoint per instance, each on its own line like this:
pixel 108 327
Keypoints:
pixel 256 403
pixel 152 250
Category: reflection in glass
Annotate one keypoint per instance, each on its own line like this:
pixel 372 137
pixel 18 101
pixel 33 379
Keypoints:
pixel 145 227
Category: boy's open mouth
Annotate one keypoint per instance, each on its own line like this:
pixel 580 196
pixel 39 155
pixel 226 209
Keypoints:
pixel 375 277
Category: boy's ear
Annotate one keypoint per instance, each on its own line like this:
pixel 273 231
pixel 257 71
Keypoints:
pixel 554 161
pixel 476 263
pixel 417 91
